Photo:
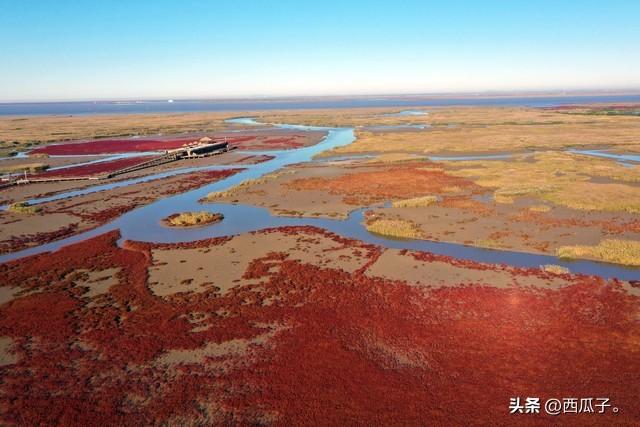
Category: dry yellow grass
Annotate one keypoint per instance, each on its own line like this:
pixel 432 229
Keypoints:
pixel 504 116
pixel 500 198
pixel 395 157
pixel 22 132
pixel 188 219
pixel 343 117
pixel 244 185
pixel 540 208
pixel 394 228
pixel 489 244
pixel 438 116
pixel 556 269
pixel 515 190
pixel 19 132
pixel 415 202
pixel 233 190
pixel 502 130
pixel 598 197
pixel 558 177
pixel 452 189
pixel 611 250
pixel 476 128
pixel 23 208
pixel 29 167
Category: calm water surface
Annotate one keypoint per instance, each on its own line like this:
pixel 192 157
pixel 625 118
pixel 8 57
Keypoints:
pixel 144 223
pixel 180 106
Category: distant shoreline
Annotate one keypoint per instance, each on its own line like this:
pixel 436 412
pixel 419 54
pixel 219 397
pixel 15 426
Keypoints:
pixel 417 95
pixel 294 103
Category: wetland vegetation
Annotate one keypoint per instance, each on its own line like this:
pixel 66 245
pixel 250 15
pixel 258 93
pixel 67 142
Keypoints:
pixel 311 246
pixel 190 219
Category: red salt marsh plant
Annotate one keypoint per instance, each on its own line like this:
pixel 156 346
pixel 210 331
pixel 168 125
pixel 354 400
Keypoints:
pixel 391 183
pixel 16 243
pixel 129 145
pixel 106 146
pixel 93 211
pixel 331 348
pixel 94 169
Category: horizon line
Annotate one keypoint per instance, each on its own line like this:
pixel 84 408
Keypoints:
pixel 267 98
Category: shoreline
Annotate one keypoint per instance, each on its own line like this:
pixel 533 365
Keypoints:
pixel 90 108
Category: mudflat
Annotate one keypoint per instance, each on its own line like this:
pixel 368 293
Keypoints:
pixel 284 324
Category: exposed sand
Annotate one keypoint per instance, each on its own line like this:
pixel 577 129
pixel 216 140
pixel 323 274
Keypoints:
pixel 512 226
pixel 334 189
pixel 296 324
pixel 6 355
pixel 8 293
pixel 394 265
pixel 51 161
pixel 274 193
pixel 323 320
pixel 220 268
pixel 97 282
pixel 238 347
pixel 23 226
pixel 64 217
pixel 36 190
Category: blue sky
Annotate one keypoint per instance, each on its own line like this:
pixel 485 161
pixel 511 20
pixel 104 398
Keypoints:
pixel 113 49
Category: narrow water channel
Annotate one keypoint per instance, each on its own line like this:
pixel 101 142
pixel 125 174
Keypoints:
pixel 144 223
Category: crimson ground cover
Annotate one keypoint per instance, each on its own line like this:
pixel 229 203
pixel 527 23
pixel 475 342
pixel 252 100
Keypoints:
pixel 94 169
pixel 128 145
pixel 343 348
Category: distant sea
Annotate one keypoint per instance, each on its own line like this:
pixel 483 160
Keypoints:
pixel 184 106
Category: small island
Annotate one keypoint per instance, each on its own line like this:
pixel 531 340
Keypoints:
pixel 192 219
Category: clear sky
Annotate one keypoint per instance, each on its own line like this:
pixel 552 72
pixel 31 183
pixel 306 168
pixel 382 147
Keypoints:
pixel 112 49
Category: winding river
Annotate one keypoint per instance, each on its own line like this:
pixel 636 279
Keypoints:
pixel 144 223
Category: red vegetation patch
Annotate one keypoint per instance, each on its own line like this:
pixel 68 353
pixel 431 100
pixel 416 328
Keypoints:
pixel 16 243
pixel 94 169
pixel 467 204
pixel 107 146
pixel 27 315
pixel 129 145
pixel 130 200
pixel 92 212
pixel 344 348
pixel 392 183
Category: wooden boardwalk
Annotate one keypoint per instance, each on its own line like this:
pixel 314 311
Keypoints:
pixel 168 157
